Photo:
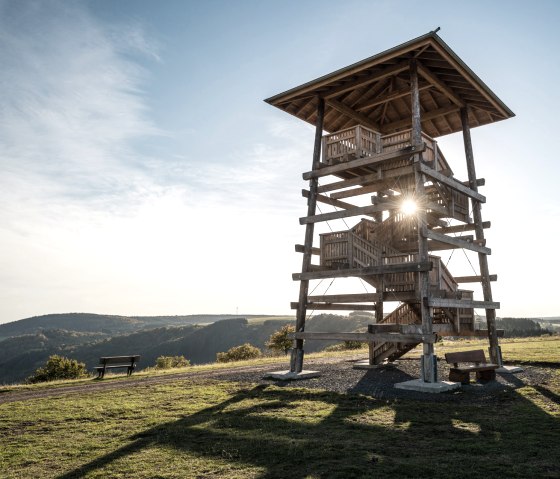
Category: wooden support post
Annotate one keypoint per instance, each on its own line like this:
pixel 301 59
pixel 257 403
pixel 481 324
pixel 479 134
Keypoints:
pixel 296 362
pixel 428 363
pixel 378 217
pixel 495 356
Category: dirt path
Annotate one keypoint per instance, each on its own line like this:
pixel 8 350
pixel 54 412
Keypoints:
pixel 137 381
pixel 337 375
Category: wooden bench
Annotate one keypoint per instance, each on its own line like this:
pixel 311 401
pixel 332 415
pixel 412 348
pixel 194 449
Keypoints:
pixel 484 371
pixel 111 362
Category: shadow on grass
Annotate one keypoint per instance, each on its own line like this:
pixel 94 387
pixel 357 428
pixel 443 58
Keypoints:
pixel 300 433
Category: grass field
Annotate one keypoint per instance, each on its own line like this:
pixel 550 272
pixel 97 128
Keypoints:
pixel 202 428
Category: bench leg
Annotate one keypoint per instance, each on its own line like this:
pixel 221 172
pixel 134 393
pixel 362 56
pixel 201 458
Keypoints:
pixel 457 376
pixel 484 376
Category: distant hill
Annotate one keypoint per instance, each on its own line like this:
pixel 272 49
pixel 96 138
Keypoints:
pixel 21 355
pixel 103 323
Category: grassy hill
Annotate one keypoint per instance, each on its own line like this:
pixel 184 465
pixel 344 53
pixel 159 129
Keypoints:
pixel 207 426
pixel 96 336
pixel 105 323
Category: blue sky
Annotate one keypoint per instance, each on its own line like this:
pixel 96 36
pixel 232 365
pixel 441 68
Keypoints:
pixel 143 174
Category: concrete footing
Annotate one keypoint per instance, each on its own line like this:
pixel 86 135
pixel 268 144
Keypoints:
pixel 366 365
pixel 288 375
pixel 419 385
pixel 509 369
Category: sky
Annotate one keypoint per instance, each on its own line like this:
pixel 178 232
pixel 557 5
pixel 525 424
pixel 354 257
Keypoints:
pixel 141 173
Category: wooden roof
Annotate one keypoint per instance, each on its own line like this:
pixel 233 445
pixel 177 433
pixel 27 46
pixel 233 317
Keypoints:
pixel 375 92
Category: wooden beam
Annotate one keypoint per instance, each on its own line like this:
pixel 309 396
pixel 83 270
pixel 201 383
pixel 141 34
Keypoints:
pixel 359 272
pixel 461 303
pixel 368 337
pixel 301 249
pixel 449 330
pixel 390 96
pixel 335 215
pixel 360 118
pixel 474 279
pixel 376 185
pixel 479 232
pixel 329 201
pixel 478 182
pixel 460 228
pixel 345 298
pixel 369 179
pixel 336 307
pixel 459 243
pixel 367 161
pixel 338 185
pixel 441 86
pixel 296 360
pixel 452 183
pixel 401 296
pixel 386 328
pixel 431 115
pixel 387 72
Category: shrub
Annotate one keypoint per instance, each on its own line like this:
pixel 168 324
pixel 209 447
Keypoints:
pixel 170 362
pixel 59 367
pixel 239 353
pixel 279 341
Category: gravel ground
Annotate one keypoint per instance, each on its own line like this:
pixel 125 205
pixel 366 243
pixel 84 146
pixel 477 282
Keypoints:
pixel 337 375
pixel 340 377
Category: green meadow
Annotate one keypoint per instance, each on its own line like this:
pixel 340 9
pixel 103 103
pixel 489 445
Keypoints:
pixel 200 427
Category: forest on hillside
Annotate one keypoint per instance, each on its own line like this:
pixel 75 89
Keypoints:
pixel 86 337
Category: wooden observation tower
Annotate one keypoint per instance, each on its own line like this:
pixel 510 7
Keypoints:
pixel 377 161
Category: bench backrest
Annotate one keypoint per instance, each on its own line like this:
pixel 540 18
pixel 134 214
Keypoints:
pixel 119 359
pixel 476 356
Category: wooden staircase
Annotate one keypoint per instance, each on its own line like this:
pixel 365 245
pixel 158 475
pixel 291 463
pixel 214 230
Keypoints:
pixel 369 244
pixel 406 313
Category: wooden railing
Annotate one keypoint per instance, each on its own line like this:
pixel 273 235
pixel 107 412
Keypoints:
pixel 440 277
pixel 349 144
pixel 359 141
pixel 350 250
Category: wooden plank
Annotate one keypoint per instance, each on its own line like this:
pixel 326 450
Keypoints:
pixel 368 337
pixel 345 298
pixel 387 328
pixel 431 115
pixel 449 330
pixel 360 162
pixel 378 100
pixel 442 87
pixel 452 183
pixel 387 72
pixel 359 272
pixel 460 228
pixel 360 118
pixel 478 182
pixel 356 211
pixel 335 307
pixel 401 296
pixel 301 249
pixel 338 185
pixel 459 243
pixel 479 232
pixel 462 303
pixel 329 201
pixel 475 279
pixel 377 184
pixel 296 361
